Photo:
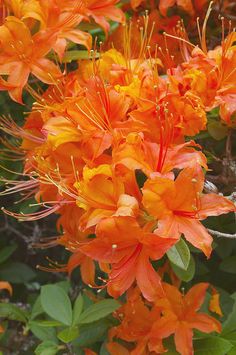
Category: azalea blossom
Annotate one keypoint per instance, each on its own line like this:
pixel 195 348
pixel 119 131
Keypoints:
pixel 179 205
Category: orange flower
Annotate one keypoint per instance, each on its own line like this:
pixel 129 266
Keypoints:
pixel 179 205
pixel 109 200
pixel 210 75
pixel 25 10
pixel 101 10
pixel 71 239
pixel 22 54
pixel 128 248
pixel 138 153
pixel 191 7
pixel 137 319
pixel 180 315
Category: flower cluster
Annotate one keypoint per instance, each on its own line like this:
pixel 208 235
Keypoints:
pixel 108 148
pixel 147 324
pixel 31 29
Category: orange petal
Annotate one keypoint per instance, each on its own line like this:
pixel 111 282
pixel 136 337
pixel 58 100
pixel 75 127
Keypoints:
pixel 116 349
pixel 87 270
pixel 164 327
pixel 6 286
pixel 157 196
pixel 215 205
pixel 184 340
pixel 123 273
pixel 147 278
pixel 79 37
pixel 46 71
pixel 189 182
pixel 214 305
pixel 196 295
pixel 196 234
pixel 205 323
pixel 135 3
pixel 164 5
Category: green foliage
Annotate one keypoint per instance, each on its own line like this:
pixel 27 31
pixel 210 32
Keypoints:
pixel 98 310
pixel 12 312
pixel 47 348
pixel 76 55
pixel 57 316
pixel 56 303
pixel 16 272
pixel 185 275
pixel 212 346
pixel 179 255
pixel 53 320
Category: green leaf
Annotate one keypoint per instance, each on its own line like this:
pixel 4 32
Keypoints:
pixel 179 255
pixel 98 310
pixel 76 55
pixel 229 265
pixel 188 274
pixel 16 272
pixel 78 307
pixel 65 285
pixel 230 323
pixel 56 303
pixel 47 348
pixel 201 268
pixel 48 323
pixel 217 130
pixel 91 333
pixel 232 351
pixel 212 346
pixel 69 334
pixel 37 308
pixel 42 333
pixel 6 252
pixel 11 311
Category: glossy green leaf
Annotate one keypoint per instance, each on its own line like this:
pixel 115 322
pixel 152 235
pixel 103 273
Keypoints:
pixel 69 334
pixel 230 323
pixel 212 346
pixel 56 303
pixel 48 323
pixel 188 274
pixel 78 307
pixel 91 333
pixel 179 254
pixel 76 55
pixel 37 308
pixel 232 351
pixel 42 333
pixel 47 348
pixel 11 311
pixel 65 285
pixel 217 130
pixel 99 310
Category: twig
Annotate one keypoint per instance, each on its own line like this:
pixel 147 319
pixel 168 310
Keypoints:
pixel 221 235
